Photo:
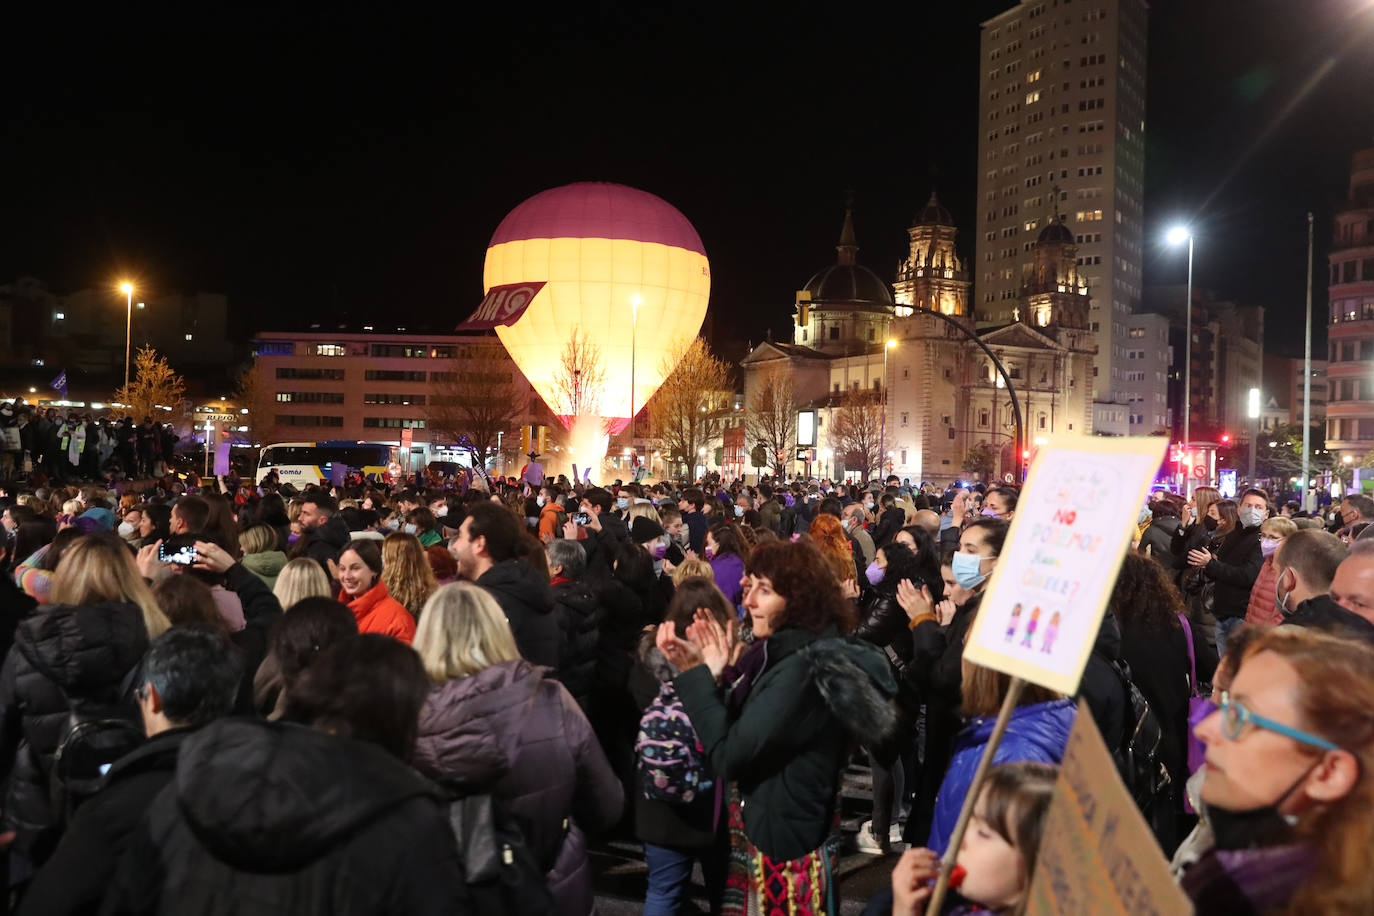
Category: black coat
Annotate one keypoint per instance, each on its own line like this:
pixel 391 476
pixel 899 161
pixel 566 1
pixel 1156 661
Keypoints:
pixel 1159 667
pixel 579 615
pixel 1158 541
pixel 892 521
pixel 1102 687
pixel 624 619
pixel 260 610
pixel 1321 612
pixel 883 623
pixel 1234 568
pixel 77 876
pixel 326 541
pixel 528 605
pixel 275 818
pixel 91 649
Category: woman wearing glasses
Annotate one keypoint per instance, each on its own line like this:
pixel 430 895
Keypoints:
pixel 1287 790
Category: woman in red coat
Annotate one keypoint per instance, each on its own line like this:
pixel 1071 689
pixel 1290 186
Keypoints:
pixel 362 589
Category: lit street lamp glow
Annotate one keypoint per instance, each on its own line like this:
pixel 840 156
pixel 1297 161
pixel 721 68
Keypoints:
pixel 127 289
pixel 1177 236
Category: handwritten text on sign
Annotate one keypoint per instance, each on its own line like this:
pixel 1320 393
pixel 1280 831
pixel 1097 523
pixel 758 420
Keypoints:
pixel 1052 582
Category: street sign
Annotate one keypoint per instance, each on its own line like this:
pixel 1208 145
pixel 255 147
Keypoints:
pixel 216 418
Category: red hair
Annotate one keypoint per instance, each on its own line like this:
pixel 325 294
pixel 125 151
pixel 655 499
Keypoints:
pixel 828 536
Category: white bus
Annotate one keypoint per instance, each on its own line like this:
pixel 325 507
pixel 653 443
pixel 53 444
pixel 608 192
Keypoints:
pixel 304 463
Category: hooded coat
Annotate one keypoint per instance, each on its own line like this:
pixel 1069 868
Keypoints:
pixel 787 745
pixel 327 540
pixel 275 818
pixel 1037 732
pixel 528 605
pixel 513 731
pixel 91 648
pixel 266 565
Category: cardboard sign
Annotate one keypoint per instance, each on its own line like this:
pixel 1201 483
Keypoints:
pixel 1073 525
pixel 502 306
pixel 1097 855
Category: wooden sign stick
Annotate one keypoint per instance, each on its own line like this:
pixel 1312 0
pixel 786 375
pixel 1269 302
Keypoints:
pixel 937 896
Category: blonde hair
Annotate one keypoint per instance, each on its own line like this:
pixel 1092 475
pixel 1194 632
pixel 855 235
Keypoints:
pixel 258 539
pixel 462 632
pixel 1278 527
pixel 1203 498
pixel 642 510
pixel 299 579
pixel 72 507
pixel 406 572
pixel 95 569
pixel 348 504
pixel 293 508
pixel 689 568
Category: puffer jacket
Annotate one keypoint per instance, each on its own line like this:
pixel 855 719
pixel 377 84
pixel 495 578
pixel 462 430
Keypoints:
pixel 528 605
pixel 1037 732
pixel 813 699
pixel 91 649
pixel 276 818
pixel 1261 611
pixel 515 732
pixel 884 623
pixel 1157 542
pixel 266 565
pixel 579 615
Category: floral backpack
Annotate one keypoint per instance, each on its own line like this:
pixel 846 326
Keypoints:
pixel 669 761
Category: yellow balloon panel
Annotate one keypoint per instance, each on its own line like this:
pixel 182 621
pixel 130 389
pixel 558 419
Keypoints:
pixel 592 284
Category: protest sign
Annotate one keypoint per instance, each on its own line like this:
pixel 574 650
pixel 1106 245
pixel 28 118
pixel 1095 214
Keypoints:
pixel 1097 855
pixel 1073 524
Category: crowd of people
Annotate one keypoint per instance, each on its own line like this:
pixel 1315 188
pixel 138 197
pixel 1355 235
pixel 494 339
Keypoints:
pixel 429 697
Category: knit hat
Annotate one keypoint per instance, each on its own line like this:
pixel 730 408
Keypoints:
pixel 103 518
pixel 644 530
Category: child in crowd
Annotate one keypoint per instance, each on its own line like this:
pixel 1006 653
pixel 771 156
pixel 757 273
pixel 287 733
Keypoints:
pixel 997 855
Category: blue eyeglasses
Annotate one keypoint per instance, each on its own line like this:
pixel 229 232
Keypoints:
pixel 1235 718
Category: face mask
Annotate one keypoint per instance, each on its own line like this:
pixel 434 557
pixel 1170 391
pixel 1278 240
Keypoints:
pixel 1250 516
pixel 659 551
pixel 988 513
pixel 126 530
pixel 875 573
pixel 1209 523
pixel 709 552
pixel 622 503
pixel 539 501
pixel 411 528
pixel 847 523
pixel 1280 597
pixel 442 511
pixel 966 570
pixel 739 512
pixel 1268 546
pixel 1145 516
pixel 1263 826
pixel 393 524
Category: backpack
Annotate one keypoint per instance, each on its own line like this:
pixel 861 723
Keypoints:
pixel 503 873
pixel 94 736
pixel 1138 759
pixel 669 762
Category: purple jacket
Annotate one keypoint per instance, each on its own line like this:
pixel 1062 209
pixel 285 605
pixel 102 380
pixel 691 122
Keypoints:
pixel 728 569
pixel 514 731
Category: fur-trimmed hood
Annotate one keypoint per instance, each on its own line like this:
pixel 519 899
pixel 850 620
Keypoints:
pixel 857 684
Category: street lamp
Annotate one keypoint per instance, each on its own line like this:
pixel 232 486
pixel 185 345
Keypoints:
pixel 882 424
pixel 1177 236
pixel 1254 412
pixel 128 290
pixel 634 328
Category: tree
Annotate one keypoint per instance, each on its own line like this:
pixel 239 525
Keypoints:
pixel 685 412
pixel 154 385
pixel 771 417
pixel 856 431
pixel 253 392
pixel 981 460
pixel 471 403
pixel 580 380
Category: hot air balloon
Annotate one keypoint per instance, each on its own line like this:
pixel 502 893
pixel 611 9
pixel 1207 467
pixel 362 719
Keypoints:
pixel 618 266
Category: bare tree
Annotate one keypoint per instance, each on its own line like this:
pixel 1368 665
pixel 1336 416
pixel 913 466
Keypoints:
pixel 856 431
pixel 981 460
pixel 771 416
pixel 154 385
pixel 580 380
pixel 253 392
pixel 471 403
pixel 686 413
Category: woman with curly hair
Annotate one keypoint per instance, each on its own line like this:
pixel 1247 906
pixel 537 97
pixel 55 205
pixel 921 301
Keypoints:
pixel 780 722
pixel 406 571
pixel 828 535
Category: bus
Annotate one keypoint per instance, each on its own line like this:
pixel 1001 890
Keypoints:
pixel 304 463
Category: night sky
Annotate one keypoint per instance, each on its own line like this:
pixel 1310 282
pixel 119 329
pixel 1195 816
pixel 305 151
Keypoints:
pixel 320 167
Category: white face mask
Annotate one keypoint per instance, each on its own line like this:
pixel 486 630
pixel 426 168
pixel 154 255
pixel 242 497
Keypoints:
pixel 539 501
pixel 411 528
pixel 739 511
pixel 126 531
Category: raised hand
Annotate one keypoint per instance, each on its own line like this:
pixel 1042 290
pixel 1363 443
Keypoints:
pixel 715 643
pixel 915 602
pixel 680 653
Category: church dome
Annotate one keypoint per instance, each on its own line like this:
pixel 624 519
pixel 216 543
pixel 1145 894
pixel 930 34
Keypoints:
pixel 933 214
pixel 849 283
pixel 1055 233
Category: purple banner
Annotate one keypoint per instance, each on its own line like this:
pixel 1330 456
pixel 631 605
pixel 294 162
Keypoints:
pixel 502 306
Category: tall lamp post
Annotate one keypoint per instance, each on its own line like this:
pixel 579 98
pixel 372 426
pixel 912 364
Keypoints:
pixel 1254 405
pixel 128 290
pixel 882 424
pixel 1307 498
pixel 1177 236
pixel 634 329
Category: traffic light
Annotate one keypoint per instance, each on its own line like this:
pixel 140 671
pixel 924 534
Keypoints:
pixel 1225 438
pixel 525 439
pixel 542 440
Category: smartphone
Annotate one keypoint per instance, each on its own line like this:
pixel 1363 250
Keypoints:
pixel 184 557
pixel 581 518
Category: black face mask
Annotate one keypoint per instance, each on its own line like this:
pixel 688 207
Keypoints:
pixel 1209 523
pixel 1258 827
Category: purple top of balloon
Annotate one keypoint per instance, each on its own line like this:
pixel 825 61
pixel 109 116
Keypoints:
pixel 595 209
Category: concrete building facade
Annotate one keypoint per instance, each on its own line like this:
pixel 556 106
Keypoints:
pixel 1350 333
pixel 1061 130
